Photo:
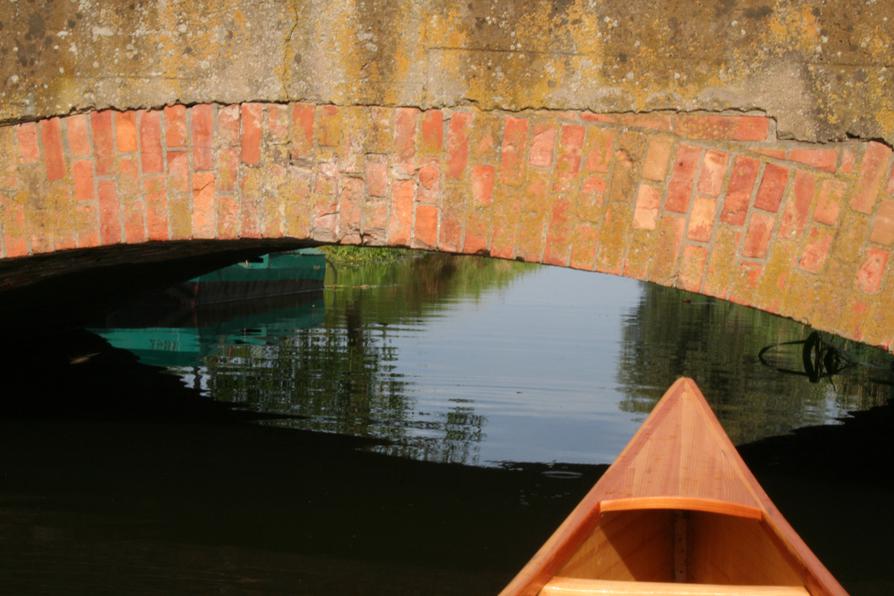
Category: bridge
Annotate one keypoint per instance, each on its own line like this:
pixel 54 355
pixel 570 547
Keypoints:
pixel 741 151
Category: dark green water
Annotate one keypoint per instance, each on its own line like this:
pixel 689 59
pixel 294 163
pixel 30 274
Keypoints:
pixel 434 420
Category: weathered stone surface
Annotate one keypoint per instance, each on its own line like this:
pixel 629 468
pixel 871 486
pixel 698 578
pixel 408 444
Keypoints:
pixel 821 70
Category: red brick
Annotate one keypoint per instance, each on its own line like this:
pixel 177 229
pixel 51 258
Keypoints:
pixel 126 131
pixel 405 137
pixel 51 136
pixel 772 187
pixel 26 139
pixel 350 199
pixel 757 239
pixel 432 131
pixel 848 160
pixel 227 217
pixel 377 176
pixel 458 144
pixel 150 143
pixel 598 150
pixel 77 132
pixel 828 204
pixel 15 241
pixel 713 170
pixel 816 251
pixel 103 142
pixel 795 216
pixel 701 220
pixel 202 129
pixel 543 140
pixel 515 134
pixel 873 170
pixel 228 162
pixel 821 159
pixel 679 188
pixel 692 268
pixel 648 200
pixel 774 152
pixel 278 123
pixel 717 127
pixel 128 176
pixel 375 219
pixel 883 224
pixel 647 121
pixel 483 185
pixel 429 183
pixel 890 186
pixel 178 171
pixel 175 125
pixel 302 129
pixel 657 157
pixel 452 217
pixel 109 213
pixel 475 241
pixel 400 227
pixel 571 144
pixel 329 126
pixel 583 247
pixel 82 172
pixel 558 244
pixel 426 227
pixel 229 126
pixel 204 224
pixel 871 272
pixel 156 208
pixel 251 114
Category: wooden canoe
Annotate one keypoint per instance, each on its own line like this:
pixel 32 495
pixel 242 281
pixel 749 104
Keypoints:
pixel 678 512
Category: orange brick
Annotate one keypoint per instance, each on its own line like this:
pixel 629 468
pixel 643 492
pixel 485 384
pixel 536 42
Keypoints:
pixel 329 126
pixel 701 220
pixel 543 140
pixel 719 127
pixel 757 239
pixel 458 144
pixel 156 208
pixel 227 217
pixel 872 173
pixel 26 139
pixel 54 160
pixel 405 137
pixel 648 200
pixel 76 128
pixel 583 247
pixel 278 123
pixel 178 171
pixel 772 187
pixel 82 173
pixel 558 245
pixel 204 224
pixel 828 204
pixel 598 150
pixel 302 129
pixel 228 161
pixel 848 159
pixel 713 170
pixel 568 163
pixel 15 241
pixel 432 131
pixel 201 116
pixel 426 226
pixel 134 221
pixel 400 227
pixel 738 193
pixel 692 268
pixel 251 114
pixel 109 213
pixel 515 134
pixel 657 157
pixel 871 272
pixel 795 216
pixel 175 125
pixel 377 176
pixel 103 142
pixel 883 224
pixel 350 206
pixel 821 159
pixel 679 188
pixel 664 261
pixel 816 251
pixel 150 143
pixel 229 125
pixel 429 183
pixel 483 185
pixel 126 131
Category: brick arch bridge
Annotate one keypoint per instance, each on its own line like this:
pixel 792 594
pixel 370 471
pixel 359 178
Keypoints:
pixel 708 202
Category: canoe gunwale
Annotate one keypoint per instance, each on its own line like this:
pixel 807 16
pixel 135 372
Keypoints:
pixel 683 504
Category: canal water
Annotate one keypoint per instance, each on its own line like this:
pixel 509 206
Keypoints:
pixel 418 425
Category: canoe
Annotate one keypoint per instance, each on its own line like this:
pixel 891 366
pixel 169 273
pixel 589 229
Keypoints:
pixel 678 512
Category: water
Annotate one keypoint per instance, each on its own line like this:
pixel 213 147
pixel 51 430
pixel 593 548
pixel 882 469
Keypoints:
pixel 313 443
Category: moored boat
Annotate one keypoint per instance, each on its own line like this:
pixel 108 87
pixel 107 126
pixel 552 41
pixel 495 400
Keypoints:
pixel 680 513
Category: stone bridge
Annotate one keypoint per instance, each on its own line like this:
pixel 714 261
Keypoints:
pixel 741 151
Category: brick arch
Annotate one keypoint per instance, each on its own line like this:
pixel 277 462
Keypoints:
pixel 708 202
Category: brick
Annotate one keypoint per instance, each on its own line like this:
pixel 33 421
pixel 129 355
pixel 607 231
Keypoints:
pixel 484 141
pixel 848 160
pixel 583 246
pixel 664 262
pixel 558 242
pixel 483 185
pixel 883 224
pixel 14 226
pixel 126 131
pixel 532 218
pixel 26 140
pixel 329 126
pixel 302 130
pixel 650 122
pixel 458 144
pixel 8 161
pixel 228 163
pixel 252 194
pixel 229 126
pixel 151 154
pixel 598 150
pixel 774 152
pixel 201 117
pixel 692 268
pixel 771 290
pixel 156 208
pixel 701 220
pixel 873 170
pixel 175 125
pixel 828 203
pixel 251 114
pixel 227 217
pixel 426 226
pixel 278 123
pixel 657 158
pixel 377 176
pixel 515 134
pixel 429 183
pixel 772 187
pixel 432 131
pixel 745 282
pixel 720 128
pixel 816 251
pixel 542 142
pixel 350 205
pixel 722 262
pixel 180 216
pixel 738 192
pixel 453 216
pixel 297 208
pixel 51 137
pixel 405 137
pixel 507 204
pixel 109 213
pixel 178 171
pixel 103 142
pixel 204 224
pixel 821 159
pixel 679 187
pixel 400 227
pixel 614 238
pixel 78 135
pixel 871 272
pixel 794 218
pixel 571 144
pixel 889 188
pixel 82 174
pixel 134 220
pixel 713 169
pixel 757 239
pixel 648 201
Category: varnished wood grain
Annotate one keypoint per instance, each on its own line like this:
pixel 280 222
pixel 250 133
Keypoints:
pixel 567 586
